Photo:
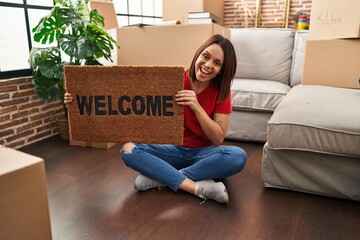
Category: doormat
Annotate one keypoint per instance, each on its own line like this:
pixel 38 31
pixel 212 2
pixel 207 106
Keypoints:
pixel 125 103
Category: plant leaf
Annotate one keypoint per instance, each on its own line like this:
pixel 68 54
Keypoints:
pixel 46 88
pixel 96 18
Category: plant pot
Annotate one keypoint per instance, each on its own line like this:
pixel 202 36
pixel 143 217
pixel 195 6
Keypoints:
pixel 63 125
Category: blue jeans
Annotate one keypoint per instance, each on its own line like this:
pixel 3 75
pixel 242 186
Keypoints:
pixel 171 164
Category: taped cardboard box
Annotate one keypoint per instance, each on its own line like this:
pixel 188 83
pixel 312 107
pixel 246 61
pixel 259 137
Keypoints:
pixel 179 9
pixel 332 63
pixel 24 201
pixel 334 19
pixel 173 45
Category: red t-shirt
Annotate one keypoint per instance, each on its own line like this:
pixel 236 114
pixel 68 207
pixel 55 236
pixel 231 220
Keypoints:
pixel 194 136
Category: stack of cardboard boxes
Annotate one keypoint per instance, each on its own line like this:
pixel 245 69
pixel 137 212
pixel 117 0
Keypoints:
pixel 169 45
pixel 332 56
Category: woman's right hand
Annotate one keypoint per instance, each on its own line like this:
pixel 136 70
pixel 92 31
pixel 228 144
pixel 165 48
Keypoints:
pixel 68 98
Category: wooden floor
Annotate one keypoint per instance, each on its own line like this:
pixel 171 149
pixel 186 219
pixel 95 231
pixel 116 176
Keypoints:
pixel 91 197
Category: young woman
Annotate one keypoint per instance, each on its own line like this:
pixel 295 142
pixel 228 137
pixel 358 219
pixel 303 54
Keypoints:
pixel 193 166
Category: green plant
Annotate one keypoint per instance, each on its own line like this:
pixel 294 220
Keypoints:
pixel 79 38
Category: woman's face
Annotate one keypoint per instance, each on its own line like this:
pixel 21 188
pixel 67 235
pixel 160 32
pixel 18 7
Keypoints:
pixel 209 63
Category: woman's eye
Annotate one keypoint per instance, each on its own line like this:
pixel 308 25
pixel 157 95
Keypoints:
pixel 218 64
pixel 205 56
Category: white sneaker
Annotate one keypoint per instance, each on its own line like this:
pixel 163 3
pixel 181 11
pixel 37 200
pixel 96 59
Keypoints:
pixel 143 183
pixel 209 189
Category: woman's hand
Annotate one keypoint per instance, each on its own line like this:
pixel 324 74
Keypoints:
pixel 215 129
pixel 188 98
pixel 68 98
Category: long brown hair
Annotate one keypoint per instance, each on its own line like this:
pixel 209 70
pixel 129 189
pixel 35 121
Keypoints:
pixel 224 79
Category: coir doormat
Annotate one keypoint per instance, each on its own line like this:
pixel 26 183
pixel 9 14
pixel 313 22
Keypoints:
pixel 125 103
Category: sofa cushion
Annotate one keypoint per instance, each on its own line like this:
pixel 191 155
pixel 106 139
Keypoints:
pixel 257 95
pixel 318 119
pixel 263 53
pixel 297 64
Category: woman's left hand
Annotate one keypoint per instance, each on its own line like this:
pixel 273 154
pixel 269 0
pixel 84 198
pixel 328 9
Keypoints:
pixel 188 98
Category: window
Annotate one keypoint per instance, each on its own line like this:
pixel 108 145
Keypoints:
pixel 13 53
pixel 18 17
pixel 131 12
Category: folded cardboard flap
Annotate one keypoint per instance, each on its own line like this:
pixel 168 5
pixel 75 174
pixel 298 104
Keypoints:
pixel 24 202
pixel 107 10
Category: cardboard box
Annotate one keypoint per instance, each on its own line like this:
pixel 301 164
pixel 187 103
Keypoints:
pixel 107 10
pixel 334 19
pixel 173 45
pixel 179 9
pixel 24 201
pixel 332 63
pixel 92 144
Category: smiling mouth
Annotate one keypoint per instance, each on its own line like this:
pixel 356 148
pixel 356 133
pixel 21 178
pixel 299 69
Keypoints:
pixel 204 71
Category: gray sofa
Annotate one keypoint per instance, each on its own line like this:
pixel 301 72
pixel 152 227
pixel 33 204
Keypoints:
pixel 313 142
pixel 269 64
pixel 312 133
